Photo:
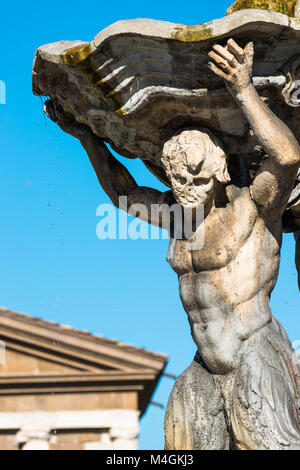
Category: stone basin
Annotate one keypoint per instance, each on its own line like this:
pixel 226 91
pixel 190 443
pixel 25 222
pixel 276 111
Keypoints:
pixel 139 81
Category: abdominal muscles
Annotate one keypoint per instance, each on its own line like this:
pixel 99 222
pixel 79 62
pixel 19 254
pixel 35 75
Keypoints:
pixel 225 307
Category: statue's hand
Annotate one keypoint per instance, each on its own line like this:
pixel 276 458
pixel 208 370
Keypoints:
pixel 233 63
pixel 65 121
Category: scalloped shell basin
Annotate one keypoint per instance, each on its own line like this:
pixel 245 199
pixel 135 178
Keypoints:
pixel 139 81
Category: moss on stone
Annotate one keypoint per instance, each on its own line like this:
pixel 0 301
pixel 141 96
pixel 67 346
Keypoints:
pixel 286 7
pixel 193 33
pixel 76 54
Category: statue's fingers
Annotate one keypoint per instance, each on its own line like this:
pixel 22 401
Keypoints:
pixel 249 49
pixel 249 53
pixel 225 54
pixel 217 71
pixel 220 61
pixel 236 50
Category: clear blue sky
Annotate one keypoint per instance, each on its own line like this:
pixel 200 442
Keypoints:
pixel 52 264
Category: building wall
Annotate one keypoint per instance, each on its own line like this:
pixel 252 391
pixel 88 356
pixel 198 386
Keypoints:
pixel 77 440
pixel 70 430
pixel 8 441
pixel 70 401
pixel 70 439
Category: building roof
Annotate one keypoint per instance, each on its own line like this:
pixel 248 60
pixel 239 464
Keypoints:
pixel 80 333
pixel 94 363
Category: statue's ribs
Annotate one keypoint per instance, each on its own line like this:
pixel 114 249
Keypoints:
pixel 140 80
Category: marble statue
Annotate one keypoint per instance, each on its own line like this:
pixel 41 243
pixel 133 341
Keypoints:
pixel 242 389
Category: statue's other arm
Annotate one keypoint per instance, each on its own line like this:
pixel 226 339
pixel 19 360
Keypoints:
pixel 274 181
pixel 114 178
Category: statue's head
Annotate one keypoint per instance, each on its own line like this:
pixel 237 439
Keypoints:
pixel 194 161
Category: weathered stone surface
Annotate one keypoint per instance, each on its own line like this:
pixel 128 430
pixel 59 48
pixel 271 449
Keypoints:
pixel 253 395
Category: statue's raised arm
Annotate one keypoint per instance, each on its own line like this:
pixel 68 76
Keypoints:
pixel 274 181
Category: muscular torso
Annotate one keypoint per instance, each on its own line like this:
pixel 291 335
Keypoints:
pixel 225 285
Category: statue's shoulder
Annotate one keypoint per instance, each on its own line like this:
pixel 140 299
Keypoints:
pixel 241 202
pixel 236 194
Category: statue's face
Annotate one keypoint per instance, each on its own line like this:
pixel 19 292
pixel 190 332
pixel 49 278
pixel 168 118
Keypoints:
pixel 194 160
pixel 192 177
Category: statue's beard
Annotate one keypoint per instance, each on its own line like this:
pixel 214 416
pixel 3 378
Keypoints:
pixel 195 198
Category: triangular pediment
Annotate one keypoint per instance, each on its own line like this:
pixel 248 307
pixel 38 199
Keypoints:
pixel 27 361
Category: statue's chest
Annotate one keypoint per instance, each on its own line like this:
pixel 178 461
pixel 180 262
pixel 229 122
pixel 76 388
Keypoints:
pixel 216 242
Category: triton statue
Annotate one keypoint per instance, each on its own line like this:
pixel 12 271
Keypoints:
pixel 242 389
